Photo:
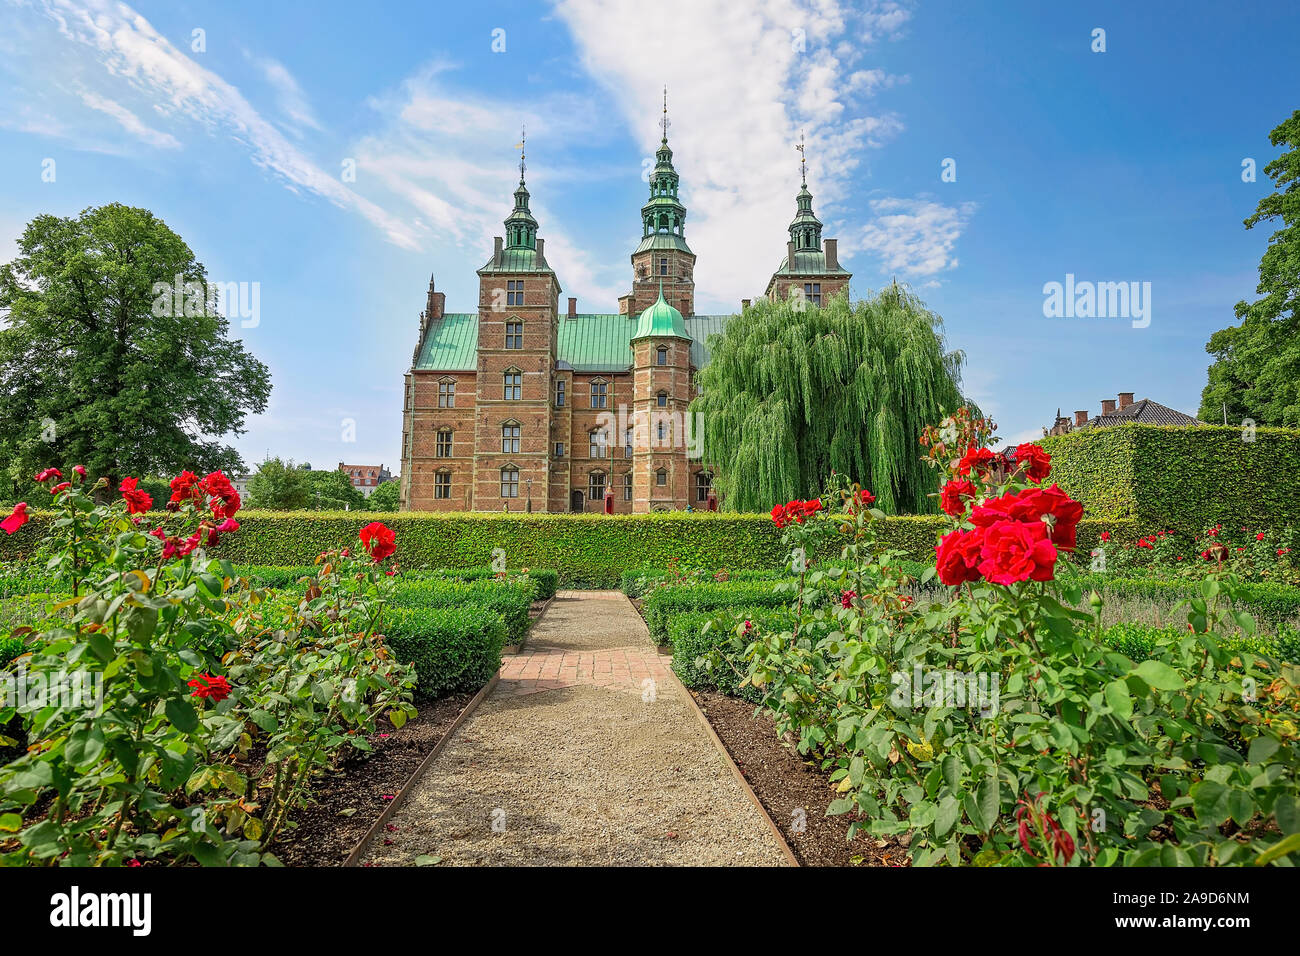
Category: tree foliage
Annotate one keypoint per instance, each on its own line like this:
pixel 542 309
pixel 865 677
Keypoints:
pixel 91 373
pixel 1256 370
pixel 387 497
pixel 280 486
pixel 793 392
pixel 333 491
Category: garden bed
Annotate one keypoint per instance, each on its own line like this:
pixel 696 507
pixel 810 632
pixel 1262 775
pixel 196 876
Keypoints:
pixel 325 831
pixel 784 783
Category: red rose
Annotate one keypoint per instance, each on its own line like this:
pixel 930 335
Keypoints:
pixel 137 501
pixel 61 486
pixel 1105 536
pixel 379 540
pixel 80 470
pixel 811 507
pixel 1050 506
pixel 1017 551
pixel 210 685
pixel 950 497
pixel 48 473
pixel 980 459
pixel 1260 536
pixel 19 517
pixel 1037 463
pixel 185 488
pixel 227 526
pixel 866 497
pixel 846 599
pixel 778 516
pixel 957 556
pixel 1144 543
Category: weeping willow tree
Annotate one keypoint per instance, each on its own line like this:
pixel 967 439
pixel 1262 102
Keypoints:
pixel 791 394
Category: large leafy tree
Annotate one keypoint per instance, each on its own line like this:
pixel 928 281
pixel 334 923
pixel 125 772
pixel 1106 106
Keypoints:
pixel 793 392
pixel 96 367
pixel 280 486
pixel 1256 370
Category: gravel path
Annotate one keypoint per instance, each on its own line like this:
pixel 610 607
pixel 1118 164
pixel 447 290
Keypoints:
pixel 585 753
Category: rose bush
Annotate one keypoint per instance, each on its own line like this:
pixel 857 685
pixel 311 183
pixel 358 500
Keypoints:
pixel 144 709
pixel 997 727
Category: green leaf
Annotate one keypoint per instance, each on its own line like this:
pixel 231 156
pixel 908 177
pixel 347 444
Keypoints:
pixel 1159 675
pixel 989 801
pixel 1279 849
pixel 948 812
pixel 1261 748
pixel 10 823
pixel 1287 811
pixel 1119 699
pixel 425 859
pixel 182 715
pixel 84 747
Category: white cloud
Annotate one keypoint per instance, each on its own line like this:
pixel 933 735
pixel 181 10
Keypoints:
pixel 915 237
pixel 289 95
pixel 744 79
pixel 129 121
pixel 132 50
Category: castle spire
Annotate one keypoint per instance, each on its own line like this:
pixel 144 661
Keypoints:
pixel 521 227
pixel 805 228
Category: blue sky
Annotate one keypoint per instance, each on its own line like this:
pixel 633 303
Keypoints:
pixel 1123 165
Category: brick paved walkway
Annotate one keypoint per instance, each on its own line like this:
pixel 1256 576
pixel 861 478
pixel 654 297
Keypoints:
pixel 585 753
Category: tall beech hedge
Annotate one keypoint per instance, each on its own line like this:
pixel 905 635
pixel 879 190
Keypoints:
pixel 587 550
pixel 1184 479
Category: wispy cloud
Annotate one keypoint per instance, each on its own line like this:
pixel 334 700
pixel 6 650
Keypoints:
pixel 129 121
pixel 289 95
pixel 915 237
pixel 752 77
pixel 130 49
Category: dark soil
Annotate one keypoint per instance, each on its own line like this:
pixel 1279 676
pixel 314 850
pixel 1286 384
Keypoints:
pixel 346 804
pixel 784 782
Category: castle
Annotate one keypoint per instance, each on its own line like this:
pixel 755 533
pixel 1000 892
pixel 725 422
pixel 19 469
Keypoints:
pixel 520 407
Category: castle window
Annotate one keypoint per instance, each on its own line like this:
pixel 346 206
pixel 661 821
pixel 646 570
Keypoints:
pixel 599 393
pixel 514 335
pixel 596 485
pixel 627 442
pixel 661 356
pixel 627 487
pixel 447 393
pixel 598 441
pixel 661 477
pixel 559 393
pixel 703 483
pixel 512 385
pixel 663 267
pixel 662 399
pixel 509 482
pixel 559 449
pixel 813 292
pixel 444 443
pixel 514 292
pixel 442 485
pixel 510 438
pixel 661 430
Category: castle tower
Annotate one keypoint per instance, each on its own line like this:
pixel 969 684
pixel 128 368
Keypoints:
pixel 811 264
pixel 661 374
pixel 518 306
pixel 663 258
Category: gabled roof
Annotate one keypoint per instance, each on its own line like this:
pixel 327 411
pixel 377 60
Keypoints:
pixel 1144 412
pixel 450 344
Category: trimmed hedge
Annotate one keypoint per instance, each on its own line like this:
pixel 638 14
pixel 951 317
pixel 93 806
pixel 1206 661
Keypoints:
pixel 587 550
pixel 665 603
pixel 636 583
pixel 511 600
pixel 1184 479
pixel 453 648
pixel 1273 603
pixel 1139 641
pixel 690 641
pixel 545 581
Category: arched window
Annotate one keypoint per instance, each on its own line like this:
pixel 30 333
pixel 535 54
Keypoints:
pixel 444 442
pixel 627 487
pixel 662 399
pixel 661 477
pixel 596 486
pixel 661 356
pixel 509 482
pixel 510 438
pixel 512 385
pixel 446 393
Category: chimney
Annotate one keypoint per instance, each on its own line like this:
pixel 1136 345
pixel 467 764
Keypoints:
pixel 1125 399
pixel 496 252
pixel 1080 418
pixel 744 304
pixel 573 306
pixel 541 252
pixel 439 304
pixel 832 253
pixel 789 252
pixel 1108 406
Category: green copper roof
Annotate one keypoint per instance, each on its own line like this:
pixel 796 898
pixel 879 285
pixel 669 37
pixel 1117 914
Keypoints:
pixel 663 240
pixel 451 344
pixel 809 262
pixel 518 260
pixel 661 319
pixel 589 342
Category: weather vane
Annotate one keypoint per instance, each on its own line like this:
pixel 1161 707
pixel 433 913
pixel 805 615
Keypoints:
pixel 803 160
pixel 523 136
pixel 663 123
